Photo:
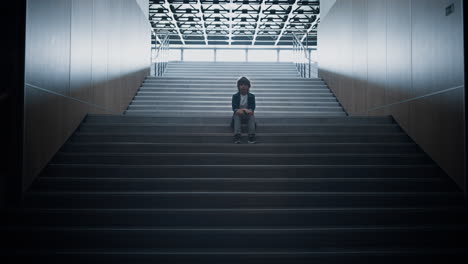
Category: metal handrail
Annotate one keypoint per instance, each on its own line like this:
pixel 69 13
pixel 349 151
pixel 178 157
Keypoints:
pixel 302 57
pixel 159 54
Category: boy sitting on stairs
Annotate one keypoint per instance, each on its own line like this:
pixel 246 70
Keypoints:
pixel 243 105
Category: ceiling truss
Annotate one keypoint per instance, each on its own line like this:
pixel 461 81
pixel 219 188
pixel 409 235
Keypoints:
pixel 235 22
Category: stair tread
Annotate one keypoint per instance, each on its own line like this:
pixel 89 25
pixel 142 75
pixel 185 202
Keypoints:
pixel 112 193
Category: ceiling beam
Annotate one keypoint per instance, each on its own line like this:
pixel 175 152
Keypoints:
pixel 260 16
pixel 230 14
pixel 171 14
pixel 202 20
pixel 315 23
pixel 286 23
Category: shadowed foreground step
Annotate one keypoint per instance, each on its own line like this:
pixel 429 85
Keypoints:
pixel 164 183
pixel 298 256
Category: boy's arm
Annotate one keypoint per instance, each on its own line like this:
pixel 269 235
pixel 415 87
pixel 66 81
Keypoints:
pixel 235 105
pixel 252 103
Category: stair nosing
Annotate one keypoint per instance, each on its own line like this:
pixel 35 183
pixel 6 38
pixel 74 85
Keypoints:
pixel 254 210
pixel 305 155
pixel 255 193
pixel 363 228
pixel 78 133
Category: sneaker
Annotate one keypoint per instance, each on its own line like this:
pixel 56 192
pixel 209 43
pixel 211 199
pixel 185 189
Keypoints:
pixel 252 139
pixel 237 139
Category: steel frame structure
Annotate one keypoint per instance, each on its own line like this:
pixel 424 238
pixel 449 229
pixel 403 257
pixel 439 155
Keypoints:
pixel 236 22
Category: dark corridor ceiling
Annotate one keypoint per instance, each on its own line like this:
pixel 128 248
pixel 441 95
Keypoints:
pixel 235 22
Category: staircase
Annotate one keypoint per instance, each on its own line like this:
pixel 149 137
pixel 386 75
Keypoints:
pixel 164 183
pixel 206 89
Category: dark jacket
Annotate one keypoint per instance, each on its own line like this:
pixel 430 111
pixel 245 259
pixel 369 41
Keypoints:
pixel 236 102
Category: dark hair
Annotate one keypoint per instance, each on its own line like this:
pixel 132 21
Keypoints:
pixel 243 80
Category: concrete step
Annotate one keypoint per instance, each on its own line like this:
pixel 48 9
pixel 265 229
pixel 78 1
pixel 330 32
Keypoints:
pixel 230 81
pixel 238 158
pixel 239 66
pixel 85 238
pixel 276 103
pixel 219 218
pixel 87 184
pixel 228 98
pixel 203 108
pixel 216 120
pixel 227 113
pixel 230 62
pixel 231 66
pixel 245 255
pixel 241 71
pixel 236 148
pixel 236 76
pixel 231 88
pixel 231 72
pixel 230 78
pixel 284 138
pixel 175 93
pixel 221 128
pixel 232 200
pixel 236 171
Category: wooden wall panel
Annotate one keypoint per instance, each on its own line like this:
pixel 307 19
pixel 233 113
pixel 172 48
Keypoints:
pixel 83 56
pixel 51 119
pixel 415 71
pixel 437 124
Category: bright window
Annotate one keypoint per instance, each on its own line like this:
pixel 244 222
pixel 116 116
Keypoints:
pixel 286 56
pixel 262 55
pixel 230 55
pixel 198 55
pixel 174 55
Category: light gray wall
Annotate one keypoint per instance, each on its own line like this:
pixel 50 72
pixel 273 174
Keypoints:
pixel 144 5
pixel 325 6
pixel 82 56
pixel 403 58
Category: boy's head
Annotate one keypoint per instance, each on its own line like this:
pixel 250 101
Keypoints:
pixel 243 85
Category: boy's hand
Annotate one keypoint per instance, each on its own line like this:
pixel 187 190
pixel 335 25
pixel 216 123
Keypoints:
pixel 240 112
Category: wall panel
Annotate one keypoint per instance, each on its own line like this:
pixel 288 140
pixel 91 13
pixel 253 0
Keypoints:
pixel 99 55
pixel 424 47
pixel 346 55
pixel 48 53
pixel 398 52
pixel 445 140
pixel 358 76
pixel 376 52
pixel 83 56
pixel 82 46
pixel 413 54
